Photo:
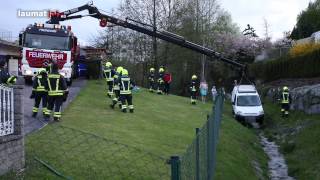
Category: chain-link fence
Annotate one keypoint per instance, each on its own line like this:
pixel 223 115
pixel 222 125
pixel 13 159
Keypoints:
pixel 198 162
pixel 59 152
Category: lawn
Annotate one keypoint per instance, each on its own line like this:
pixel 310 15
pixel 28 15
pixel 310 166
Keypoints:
pixel 96 142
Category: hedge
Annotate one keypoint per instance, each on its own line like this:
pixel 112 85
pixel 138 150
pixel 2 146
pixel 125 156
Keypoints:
pixel 304 66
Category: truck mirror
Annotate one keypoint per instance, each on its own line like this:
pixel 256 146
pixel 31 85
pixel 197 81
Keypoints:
pixel 20 39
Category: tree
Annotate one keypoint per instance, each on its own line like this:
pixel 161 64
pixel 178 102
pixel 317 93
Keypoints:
pixel 308 21
pixel 201 21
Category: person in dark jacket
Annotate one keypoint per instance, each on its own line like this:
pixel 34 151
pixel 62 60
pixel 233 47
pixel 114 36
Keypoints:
pixel 285 101
pixel 57 92
pixel 108 74
pixel 167 81
pixel 5 77
pixel 151 78
pixel 39 92
pixel 126 85
pixel 193 89
pixel 160 80
pixel 116 87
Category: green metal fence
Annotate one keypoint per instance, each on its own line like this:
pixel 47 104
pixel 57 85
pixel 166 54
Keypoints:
pixel 198 162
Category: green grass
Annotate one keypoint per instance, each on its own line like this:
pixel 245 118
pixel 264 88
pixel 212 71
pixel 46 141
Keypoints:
pixel 94 141
pixel 300 147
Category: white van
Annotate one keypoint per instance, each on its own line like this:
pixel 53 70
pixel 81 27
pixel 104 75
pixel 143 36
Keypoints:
pixel 246 104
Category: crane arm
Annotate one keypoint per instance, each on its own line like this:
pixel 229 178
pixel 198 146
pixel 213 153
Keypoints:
pixel 142 28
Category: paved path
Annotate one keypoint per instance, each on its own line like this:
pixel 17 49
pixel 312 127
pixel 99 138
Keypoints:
pixel 31 124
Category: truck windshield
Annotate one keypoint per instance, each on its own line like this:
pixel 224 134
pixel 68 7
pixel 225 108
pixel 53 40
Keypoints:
pixel 253 100
pixel 47 42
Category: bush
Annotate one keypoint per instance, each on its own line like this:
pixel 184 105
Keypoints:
pixel 302 66
pixel 303 49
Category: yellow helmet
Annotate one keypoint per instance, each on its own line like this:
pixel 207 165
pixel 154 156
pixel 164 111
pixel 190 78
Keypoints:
pixel 119 69
pixel 285 88
pixel 152 69
pixel 41 70
pixel 108 64
pixel 194 77
pixel 125 72
pixel 161 70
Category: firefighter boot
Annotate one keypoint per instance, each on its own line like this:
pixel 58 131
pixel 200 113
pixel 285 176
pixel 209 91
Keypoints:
pixel 34 114
pixel 56 119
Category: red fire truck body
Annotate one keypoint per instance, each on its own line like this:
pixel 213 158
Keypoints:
pixel 43 43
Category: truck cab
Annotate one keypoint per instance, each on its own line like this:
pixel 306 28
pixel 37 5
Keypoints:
pixel 43 43
pixel 246 104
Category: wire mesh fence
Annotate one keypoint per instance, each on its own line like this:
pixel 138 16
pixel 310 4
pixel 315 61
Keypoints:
pixel 59 151
pixel 198 162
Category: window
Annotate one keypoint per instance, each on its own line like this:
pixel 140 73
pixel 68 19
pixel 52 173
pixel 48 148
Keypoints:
pixel 47 42
pixel 253 100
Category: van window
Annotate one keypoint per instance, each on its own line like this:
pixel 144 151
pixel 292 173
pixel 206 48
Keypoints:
pixel 252 100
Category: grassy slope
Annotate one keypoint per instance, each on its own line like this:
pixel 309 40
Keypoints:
pixel 301 148
pixel 161 125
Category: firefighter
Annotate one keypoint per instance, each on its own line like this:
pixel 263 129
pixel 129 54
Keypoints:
pixel 285 101
pixel 151 80
pixel 5 77
pixel 160 80
pixel 108 74
pixel 57 92
pixel 116 87
pixel 193 89
pixel 39 92
pixel 126 85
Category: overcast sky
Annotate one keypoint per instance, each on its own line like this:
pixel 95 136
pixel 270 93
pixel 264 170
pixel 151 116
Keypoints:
pixel 280 14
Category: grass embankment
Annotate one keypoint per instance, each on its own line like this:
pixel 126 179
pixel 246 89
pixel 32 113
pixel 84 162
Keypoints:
pixel 298 137
pixel 161 126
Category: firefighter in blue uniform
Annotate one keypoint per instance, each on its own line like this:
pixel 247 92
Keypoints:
pixel 5 77
pixel 285 101
pixel 151 80
pixel 126 85
pixel 160 80
pixel 116 87
pixel 57 92
pixel 193 89
pixel 39 92
pixel 108 73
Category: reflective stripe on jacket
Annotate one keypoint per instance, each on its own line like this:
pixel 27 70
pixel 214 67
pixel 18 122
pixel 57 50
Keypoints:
pixel 108 74
pixel 285 98
pixel 39 84
pixel 56 85
pixel 125 85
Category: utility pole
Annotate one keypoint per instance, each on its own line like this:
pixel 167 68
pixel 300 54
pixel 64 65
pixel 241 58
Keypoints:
pixel 155 61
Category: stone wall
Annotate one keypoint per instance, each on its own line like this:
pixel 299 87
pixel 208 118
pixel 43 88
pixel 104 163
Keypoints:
pixel 305 98
pixel 12 155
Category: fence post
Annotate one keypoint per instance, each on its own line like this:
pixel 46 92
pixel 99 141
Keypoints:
pixel 209 147
pixel 175 167
pixel 197 155
pixel 213 134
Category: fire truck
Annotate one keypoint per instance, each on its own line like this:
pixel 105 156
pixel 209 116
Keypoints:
pixel 43 43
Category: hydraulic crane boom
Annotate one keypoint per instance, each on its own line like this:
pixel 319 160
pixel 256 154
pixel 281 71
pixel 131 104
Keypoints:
pixel 93 11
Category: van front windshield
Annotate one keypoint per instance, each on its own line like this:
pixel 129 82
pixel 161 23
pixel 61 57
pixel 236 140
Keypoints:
pixel 252 100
